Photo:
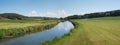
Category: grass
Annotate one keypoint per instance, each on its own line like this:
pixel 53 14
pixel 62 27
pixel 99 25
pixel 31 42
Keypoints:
pixel 95 31
pixel 12 28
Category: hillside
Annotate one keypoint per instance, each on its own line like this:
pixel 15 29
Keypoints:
pixel 12 16
pixel 15 16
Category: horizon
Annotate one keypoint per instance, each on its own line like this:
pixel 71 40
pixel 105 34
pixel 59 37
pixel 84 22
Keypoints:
pixel 57 8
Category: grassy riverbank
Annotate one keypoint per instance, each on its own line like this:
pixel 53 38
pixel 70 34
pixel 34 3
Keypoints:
pixel 11 28
pixel 94 31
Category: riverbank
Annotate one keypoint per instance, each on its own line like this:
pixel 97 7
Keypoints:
pixel 56 39
pixel 13 28
pixel 38 37
pixel 95 31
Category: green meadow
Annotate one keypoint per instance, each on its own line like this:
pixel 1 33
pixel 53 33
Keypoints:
pixel 12 28
pixel 92 31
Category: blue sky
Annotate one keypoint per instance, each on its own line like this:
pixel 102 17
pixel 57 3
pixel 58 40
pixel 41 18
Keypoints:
pixel 57 8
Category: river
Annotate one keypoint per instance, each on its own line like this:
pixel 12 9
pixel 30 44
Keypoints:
pixel 39 37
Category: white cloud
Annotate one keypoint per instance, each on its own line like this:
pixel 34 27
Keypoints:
pixel 58 14
pixel 33 13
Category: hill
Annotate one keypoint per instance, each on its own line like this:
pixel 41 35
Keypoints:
pixel 15 16
pixel 12 16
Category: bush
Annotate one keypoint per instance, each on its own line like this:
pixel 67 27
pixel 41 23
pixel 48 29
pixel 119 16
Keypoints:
pixel 1 35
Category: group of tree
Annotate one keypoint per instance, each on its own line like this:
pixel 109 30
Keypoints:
pixel 15 16
pixel 12 16
pixel 44 18
pixel 95 15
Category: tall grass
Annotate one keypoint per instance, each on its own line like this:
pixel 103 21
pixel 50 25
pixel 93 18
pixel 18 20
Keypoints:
pixel 15 28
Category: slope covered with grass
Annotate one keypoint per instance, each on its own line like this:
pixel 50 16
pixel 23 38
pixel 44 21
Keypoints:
pixel 95 31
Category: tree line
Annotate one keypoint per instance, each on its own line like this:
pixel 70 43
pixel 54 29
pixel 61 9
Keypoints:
pixel 95 15
pixel 12 16
pixel 15 16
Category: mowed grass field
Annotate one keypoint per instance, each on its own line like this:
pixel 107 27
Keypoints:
pixel 10 28
pixel 94 31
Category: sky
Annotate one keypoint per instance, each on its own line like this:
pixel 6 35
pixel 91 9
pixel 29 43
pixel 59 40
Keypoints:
pixel 57 8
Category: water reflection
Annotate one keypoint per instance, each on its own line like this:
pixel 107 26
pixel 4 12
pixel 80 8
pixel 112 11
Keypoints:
pixel 36 38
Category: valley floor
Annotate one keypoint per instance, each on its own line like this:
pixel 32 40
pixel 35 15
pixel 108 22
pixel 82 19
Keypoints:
pixel 95 31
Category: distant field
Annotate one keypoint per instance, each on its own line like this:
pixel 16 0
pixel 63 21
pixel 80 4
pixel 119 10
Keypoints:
pixel 7 24
pixel 95 31
pixel 107 18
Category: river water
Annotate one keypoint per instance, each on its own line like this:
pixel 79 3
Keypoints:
pixel 39 37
